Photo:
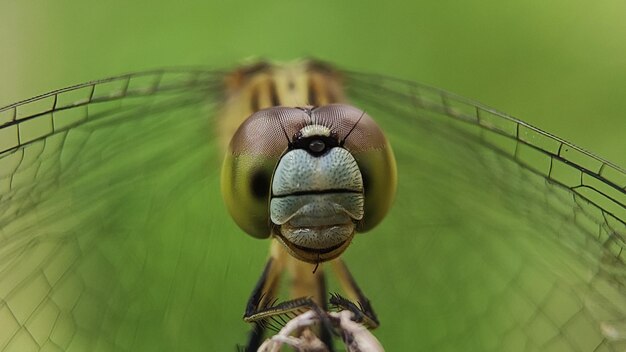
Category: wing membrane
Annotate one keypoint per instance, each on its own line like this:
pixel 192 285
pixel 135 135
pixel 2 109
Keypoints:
pixel 111 218
pixel 35 131
pixel 510 238
pixel 113 235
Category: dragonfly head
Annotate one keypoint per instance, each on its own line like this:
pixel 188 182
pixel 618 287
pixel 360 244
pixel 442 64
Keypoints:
pixel 310 177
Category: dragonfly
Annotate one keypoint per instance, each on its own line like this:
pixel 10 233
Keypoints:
pixel 122 225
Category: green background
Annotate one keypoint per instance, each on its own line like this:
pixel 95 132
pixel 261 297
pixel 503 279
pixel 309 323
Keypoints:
pixel 560 65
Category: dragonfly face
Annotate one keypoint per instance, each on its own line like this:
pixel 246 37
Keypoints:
pixel 304 169
pixel 297 174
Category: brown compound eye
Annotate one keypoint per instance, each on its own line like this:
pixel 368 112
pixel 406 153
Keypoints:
pixel 358 133
pixel 252 155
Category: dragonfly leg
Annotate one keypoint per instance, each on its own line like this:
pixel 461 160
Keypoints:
pixel 261 296
pixel 265 313
pixel 277 315
pixel 363 311
pixel 326 331
pixel 255 338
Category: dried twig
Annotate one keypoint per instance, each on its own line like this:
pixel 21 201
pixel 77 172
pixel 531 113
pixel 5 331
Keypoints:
pixel 297 333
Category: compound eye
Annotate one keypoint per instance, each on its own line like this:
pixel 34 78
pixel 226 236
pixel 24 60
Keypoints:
pixel 249 163
pixel 317 146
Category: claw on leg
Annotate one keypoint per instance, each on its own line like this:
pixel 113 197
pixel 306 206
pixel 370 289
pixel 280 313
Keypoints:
pixel 364 312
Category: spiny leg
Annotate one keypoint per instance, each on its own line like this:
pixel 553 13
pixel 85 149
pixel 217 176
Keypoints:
pixel 363 311
pixel 326 333
pixel 255 338
pixel 274 315
pixel 264 312
pixel 262 294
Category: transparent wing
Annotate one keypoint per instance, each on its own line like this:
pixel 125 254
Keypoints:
pixel 112 232
pixel 113 235
pixel 502 237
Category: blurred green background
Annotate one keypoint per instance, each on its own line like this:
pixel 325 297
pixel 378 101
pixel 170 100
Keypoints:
pixel 560 65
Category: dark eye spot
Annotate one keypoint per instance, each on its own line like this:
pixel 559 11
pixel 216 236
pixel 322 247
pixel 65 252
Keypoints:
pixel 260 184
pixel 317 146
